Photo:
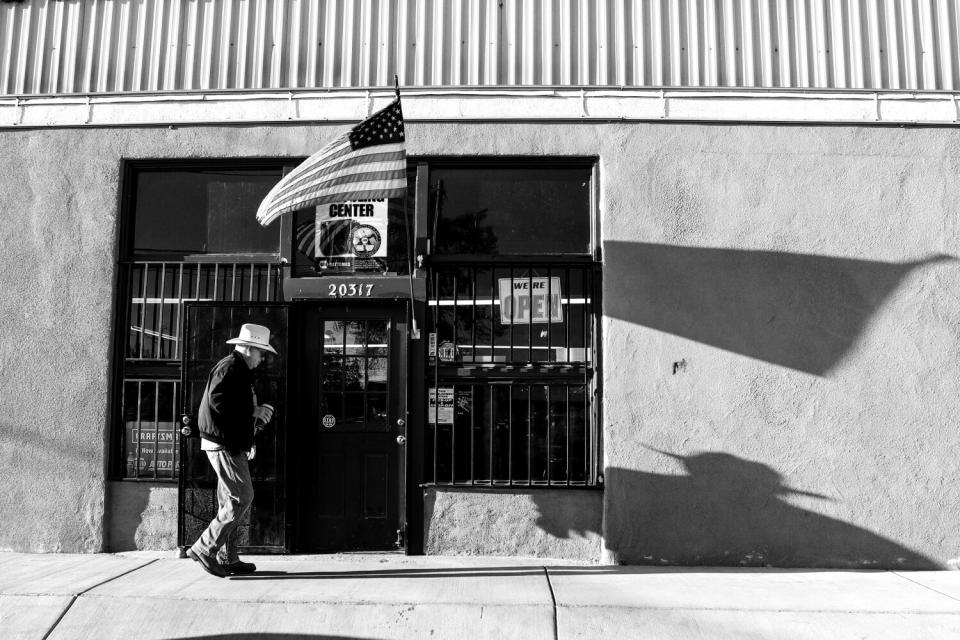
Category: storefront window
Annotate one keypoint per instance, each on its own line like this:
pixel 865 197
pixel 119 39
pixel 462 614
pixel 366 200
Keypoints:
pixel 202 211
pixel 191 235
pixel 500 211
pixel 512 321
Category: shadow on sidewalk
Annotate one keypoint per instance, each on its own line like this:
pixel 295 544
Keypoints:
pixel 464 572
pixel 729 511
pixel 265 636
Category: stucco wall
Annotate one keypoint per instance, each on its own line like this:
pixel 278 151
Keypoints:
pixel 788 300
pixel 542 523
pixel 779 339
pixel 141 515
pixel 59 210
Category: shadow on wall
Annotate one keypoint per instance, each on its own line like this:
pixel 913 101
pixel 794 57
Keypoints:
pixel 125 505
pixel 728 511
pixel 799 311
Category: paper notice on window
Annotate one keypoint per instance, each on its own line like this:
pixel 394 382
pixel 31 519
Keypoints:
pixel 355 229
pixel 526 300
pixel 440 412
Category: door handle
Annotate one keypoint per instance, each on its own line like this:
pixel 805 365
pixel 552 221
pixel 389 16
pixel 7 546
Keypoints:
pixel 401 440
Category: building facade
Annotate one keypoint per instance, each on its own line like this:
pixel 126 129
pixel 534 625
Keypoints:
pixel 673 282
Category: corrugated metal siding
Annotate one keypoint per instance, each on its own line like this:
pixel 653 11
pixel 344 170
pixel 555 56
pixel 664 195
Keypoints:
pixel 87 46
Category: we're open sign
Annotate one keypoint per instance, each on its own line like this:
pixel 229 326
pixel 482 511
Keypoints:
pixel 526 300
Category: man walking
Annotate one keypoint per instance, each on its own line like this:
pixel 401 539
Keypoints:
pixel 228 418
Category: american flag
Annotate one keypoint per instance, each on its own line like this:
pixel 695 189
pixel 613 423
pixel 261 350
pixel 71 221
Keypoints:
pixel 368 161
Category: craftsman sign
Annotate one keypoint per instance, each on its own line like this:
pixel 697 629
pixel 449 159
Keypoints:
pixel 526 300
pixel 356 229
pixel 440 411
pixel 152 449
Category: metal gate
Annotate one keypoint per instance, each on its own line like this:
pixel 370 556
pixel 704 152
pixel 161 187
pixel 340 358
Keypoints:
pixel 207 327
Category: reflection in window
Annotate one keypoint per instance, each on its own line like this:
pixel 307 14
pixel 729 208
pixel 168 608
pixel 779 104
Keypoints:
pixel 510 210
pixel 200 211
pixel 354 372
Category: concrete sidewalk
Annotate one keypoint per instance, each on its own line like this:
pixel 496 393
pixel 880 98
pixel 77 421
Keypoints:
pixel 152 595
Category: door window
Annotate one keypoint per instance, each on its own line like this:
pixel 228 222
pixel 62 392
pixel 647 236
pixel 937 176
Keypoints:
pixel 354 373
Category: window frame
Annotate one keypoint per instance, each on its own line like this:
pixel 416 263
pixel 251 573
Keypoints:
pixel 509 372
pixel 168 370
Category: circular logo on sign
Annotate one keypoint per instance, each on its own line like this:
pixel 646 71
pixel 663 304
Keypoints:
pixel 366 240
pixel 328 421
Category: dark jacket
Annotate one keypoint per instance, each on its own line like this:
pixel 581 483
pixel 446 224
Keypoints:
pixel 226 410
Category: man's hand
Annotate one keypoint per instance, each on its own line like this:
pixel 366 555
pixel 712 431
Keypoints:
pixel 262 415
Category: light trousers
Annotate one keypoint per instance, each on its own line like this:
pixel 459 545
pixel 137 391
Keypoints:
pixel 234 497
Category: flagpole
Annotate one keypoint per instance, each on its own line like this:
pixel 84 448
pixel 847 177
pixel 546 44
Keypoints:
pixel 414 331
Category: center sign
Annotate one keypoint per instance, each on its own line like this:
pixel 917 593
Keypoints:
pixel 355 229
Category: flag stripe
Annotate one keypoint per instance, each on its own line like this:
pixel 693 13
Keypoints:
pixel 351 161
pixel 336 148
pixel 384 170
pixel 282 191
pixel 368 191
pixel 355 191
pixel 332 154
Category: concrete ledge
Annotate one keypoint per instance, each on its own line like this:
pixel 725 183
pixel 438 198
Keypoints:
pixel 547 523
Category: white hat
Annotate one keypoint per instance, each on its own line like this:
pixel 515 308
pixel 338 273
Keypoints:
pixel 254 335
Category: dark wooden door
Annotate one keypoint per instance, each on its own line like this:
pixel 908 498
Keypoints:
pixel 351 396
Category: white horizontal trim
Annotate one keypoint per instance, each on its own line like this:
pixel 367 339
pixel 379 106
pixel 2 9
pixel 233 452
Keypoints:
pixel 170 300
pixel 490 105
pixel 481 302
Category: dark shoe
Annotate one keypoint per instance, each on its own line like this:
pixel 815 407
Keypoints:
pixel 239 568
pixel 209 563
